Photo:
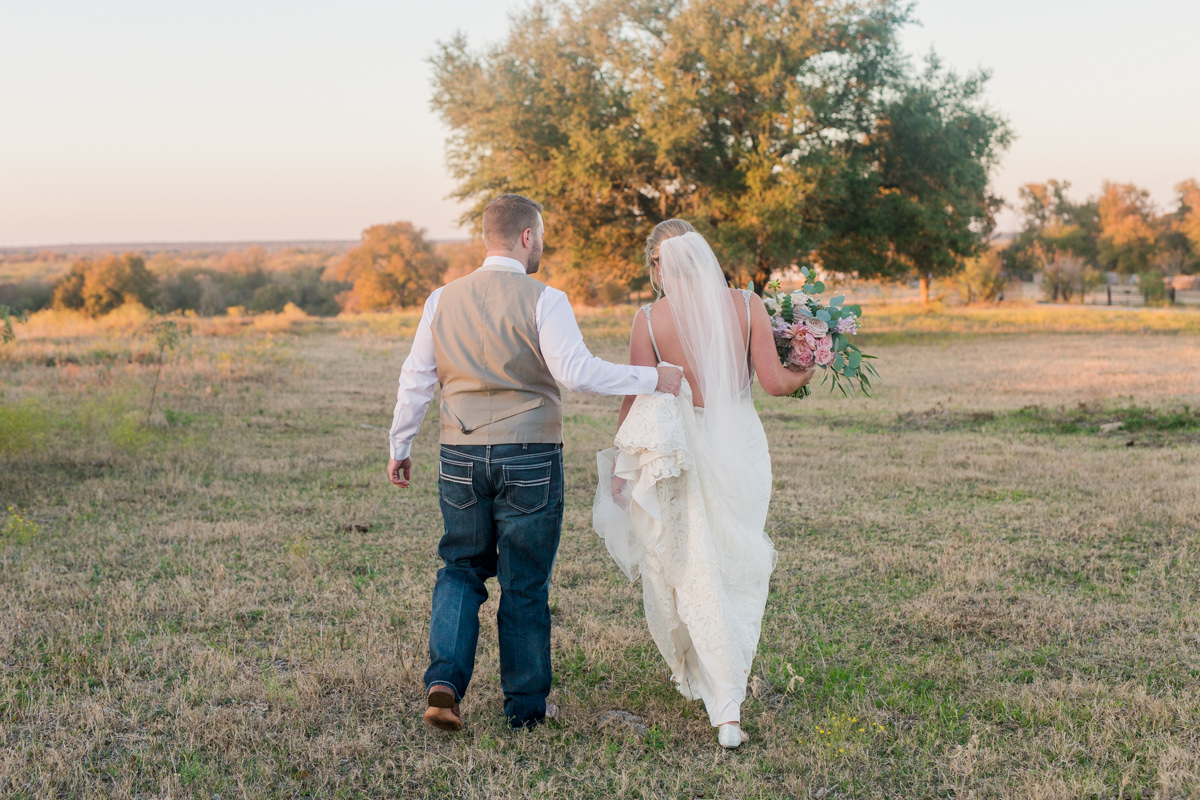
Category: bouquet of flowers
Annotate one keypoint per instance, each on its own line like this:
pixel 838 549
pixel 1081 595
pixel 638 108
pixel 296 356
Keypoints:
pixel 808 331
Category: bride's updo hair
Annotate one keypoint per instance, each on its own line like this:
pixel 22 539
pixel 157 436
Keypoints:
pixel 667 229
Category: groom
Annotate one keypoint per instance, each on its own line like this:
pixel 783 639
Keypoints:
pixel 499 342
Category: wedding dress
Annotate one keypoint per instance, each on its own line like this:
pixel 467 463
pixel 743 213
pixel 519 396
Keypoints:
pixel 691 517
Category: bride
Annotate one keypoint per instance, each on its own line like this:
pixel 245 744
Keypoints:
pixel 683 495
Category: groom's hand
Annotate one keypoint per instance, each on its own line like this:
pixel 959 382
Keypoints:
pixel 669 379
pixel 399 472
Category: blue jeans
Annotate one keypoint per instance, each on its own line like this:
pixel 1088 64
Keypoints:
pixel 502 507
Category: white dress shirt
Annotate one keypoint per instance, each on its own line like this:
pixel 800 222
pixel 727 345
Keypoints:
pixel 569 360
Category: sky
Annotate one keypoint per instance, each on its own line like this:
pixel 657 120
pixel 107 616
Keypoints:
pixel 260 120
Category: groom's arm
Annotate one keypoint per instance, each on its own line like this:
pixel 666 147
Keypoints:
pixel 418 380
pixel 570 361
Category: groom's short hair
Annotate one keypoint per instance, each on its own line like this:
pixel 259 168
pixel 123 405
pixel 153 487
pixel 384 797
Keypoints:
pixel 506 217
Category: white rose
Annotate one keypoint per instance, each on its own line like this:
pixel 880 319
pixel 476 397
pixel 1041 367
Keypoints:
pixel 816 327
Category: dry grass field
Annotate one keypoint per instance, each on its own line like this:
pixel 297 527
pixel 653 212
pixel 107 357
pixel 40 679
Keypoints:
pixel 981 592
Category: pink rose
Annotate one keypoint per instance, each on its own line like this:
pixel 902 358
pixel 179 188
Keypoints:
pixel 801 356
pixel 825 343
pixel 816 327
pixel 810 340
pixel 824 357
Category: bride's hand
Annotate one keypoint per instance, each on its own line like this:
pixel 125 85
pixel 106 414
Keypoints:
pixel 617 488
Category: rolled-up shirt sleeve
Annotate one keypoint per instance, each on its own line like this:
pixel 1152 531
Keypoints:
pixel 570 361
pixel 418 380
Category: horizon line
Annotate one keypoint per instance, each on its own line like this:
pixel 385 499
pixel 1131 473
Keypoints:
pixel 193 243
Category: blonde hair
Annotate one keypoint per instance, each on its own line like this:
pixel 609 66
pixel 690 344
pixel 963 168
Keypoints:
pixel 667 229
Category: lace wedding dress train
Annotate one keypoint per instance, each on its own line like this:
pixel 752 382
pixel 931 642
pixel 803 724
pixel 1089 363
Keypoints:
pixel 695 537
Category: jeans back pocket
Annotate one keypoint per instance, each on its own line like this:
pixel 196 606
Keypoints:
pixel 527 487
pixel 455 483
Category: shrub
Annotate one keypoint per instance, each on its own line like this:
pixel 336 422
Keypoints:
pixel 982 279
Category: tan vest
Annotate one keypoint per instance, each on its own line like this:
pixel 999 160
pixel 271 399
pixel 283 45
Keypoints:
pixel 496 387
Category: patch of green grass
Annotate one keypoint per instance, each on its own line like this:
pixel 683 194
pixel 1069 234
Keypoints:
pixel 24 425
pixel 1162 423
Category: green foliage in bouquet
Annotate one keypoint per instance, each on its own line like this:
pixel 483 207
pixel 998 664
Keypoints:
pixel 804 326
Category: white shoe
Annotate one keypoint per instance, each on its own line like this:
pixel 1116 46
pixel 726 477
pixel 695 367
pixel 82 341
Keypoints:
pixel 730 736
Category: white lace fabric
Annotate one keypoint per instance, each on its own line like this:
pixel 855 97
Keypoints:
pixel 701 550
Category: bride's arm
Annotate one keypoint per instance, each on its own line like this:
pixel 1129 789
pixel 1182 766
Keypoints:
pixel 641 354
pixel 776 379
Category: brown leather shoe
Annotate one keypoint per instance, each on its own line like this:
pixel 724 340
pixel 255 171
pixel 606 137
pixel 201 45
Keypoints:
pixel 443 712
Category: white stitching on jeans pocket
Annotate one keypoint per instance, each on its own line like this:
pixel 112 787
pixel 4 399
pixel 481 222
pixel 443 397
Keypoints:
pixel 530 495
pixel 456 490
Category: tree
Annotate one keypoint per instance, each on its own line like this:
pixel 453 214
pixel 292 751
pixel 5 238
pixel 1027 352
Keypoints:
pixel 98 287
pixel 1057 240
pixel 461 257
pixel 394 266
pixel 1128 240
pixel 7 317
pixel 619 114
pixel 1184 230
pixel 912 196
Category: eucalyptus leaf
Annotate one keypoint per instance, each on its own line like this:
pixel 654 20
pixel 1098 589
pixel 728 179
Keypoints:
pixel 823 315
pixel 837 300
pixel 819 286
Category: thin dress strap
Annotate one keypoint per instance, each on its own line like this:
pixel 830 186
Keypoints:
pixel 749 360
pixel 746 297
pixel 650 328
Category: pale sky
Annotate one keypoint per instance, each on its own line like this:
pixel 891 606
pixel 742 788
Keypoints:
pixel 129 121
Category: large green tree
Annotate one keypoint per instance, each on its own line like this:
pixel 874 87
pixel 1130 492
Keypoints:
pixel 911 196
pixel 767 124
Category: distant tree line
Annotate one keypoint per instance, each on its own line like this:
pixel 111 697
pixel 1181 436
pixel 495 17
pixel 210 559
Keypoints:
pixel 1073 244
pixel 1070 244
pixel 394 266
